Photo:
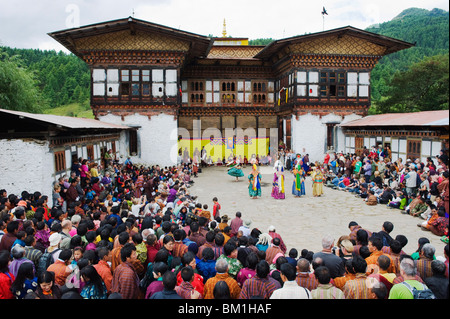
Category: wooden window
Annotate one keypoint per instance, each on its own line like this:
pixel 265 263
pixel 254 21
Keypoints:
pixel 196 92
pixel 90 151
pixel 133 140
pixel 124 82
pixel 60 161
pixel 228 92
pixel 330 135
pixel 332 84
pixel 359 145
pixel 413 149
pixel 259 92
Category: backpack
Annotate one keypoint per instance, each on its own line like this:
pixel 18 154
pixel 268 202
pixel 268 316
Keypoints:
pixel 45 261
pixel 425 293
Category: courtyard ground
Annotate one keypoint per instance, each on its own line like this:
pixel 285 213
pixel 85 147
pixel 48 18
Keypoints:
pixel 302 222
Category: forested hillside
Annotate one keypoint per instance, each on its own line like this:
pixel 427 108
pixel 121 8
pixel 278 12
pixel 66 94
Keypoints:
pixel 429 30
pixel 61 78
pixel 46 81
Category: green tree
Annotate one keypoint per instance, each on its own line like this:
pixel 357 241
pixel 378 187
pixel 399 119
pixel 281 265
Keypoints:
pixel 423 87
pixel 18 86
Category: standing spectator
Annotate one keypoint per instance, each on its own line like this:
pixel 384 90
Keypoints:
pixel 411 180
pixel 32 253
pixel 47 289
pixel 25 281
pixel 6 278
pixel 236 223
pixel 443 189
pixel 125 279
pixel 12 228
pixel 103 268
pixel 94 287
pixel 60 267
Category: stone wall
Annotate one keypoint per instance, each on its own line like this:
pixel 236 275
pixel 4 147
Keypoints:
pixel 26 165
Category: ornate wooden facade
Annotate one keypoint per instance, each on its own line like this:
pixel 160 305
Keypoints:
pixel 141 67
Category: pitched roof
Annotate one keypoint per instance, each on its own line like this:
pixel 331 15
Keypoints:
pixel 200 45
pixel 66 121
pixel 426 118
pixel 391 44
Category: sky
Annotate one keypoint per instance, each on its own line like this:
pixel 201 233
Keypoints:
pixel 25 23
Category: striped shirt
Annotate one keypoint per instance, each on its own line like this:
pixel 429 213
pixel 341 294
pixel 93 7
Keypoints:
pixel 232 285
pixel 424 267
pixel 327 291
pixel 125 281
pixel 256 286
pixel 104 271
pixel 59 267
pixel 179 249
pixel 202 247
pixel 185 290
pixel 33 254
pixel 357 288
pixel 271 252
pixel 307 280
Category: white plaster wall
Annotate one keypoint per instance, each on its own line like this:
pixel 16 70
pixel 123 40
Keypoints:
pixel 26 165
pixel 157 138
pixel 309 132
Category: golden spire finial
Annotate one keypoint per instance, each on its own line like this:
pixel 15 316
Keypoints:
pixel 224 32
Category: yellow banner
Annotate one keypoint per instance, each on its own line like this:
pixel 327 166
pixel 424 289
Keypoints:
pixel 219 148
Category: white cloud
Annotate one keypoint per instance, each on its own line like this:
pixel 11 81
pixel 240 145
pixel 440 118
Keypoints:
pixel 26 23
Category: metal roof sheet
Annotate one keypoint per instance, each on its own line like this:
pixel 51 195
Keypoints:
pixel 67 121
pixel 426 118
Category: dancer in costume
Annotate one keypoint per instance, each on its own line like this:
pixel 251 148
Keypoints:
pixel 278 181
pixel 298 186
pixel 254 186
pixel 235 169
pixel 317 179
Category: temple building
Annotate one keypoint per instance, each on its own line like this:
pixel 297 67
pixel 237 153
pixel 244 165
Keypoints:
pixel 408 135
pixel 183 92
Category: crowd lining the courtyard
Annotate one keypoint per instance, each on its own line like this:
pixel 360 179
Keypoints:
pixel 128 231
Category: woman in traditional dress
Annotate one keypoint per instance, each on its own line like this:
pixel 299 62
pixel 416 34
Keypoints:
pixel 317 179
pixel 298 186
pixel 278 181
pixel 254 186
pixel 235 169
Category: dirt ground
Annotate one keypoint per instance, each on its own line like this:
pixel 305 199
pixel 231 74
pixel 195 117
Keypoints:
pixel 302 222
